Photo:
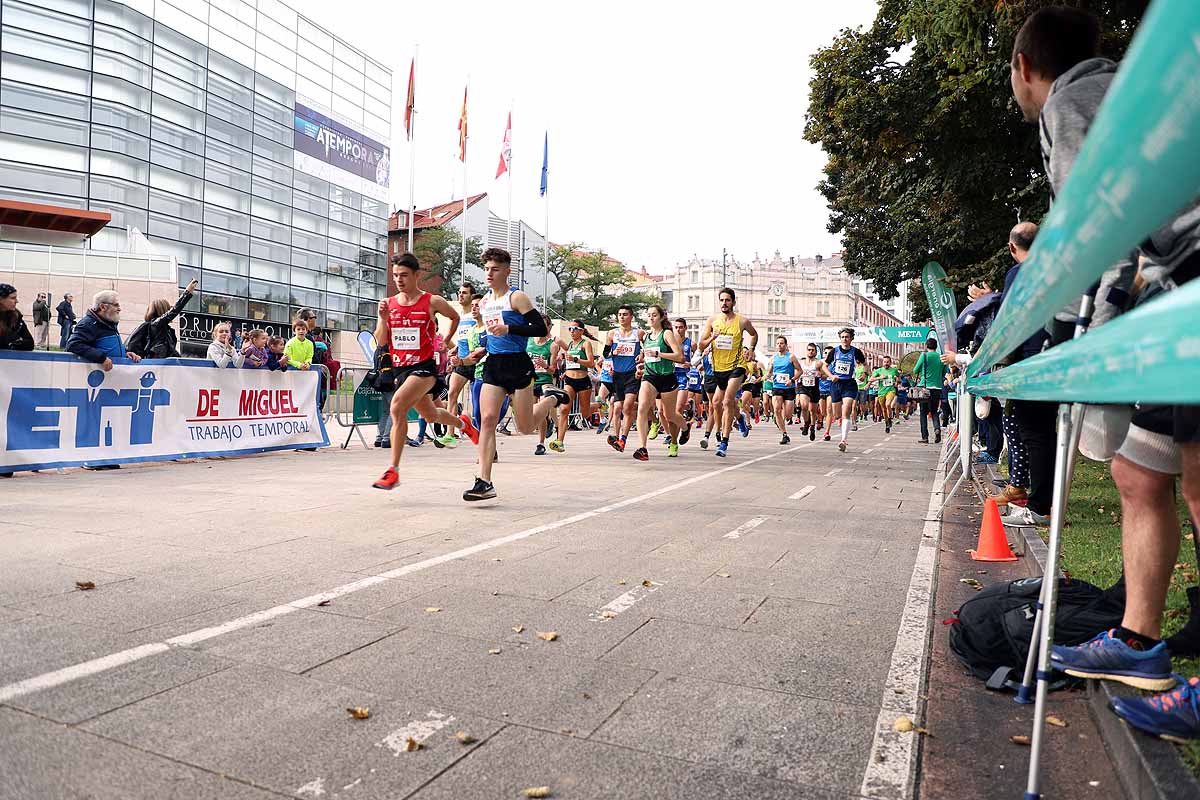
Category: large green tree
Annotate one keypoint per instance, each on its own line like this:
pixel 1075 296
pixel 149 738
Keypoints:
pixel 601 286
pixel 440 252
pixel 565 271
pixel 928 157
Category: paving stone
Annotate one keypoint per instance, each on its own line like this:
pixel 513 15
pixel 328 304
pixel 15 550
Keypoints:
pixel 126 605
pixel 535 685
pixel 769 734
pixel 285 732
pixel 36 644
pixel 578 769
pixel 41 760
pixel 31 578
pixel 668 601
pixel 284 587
pixel 318 552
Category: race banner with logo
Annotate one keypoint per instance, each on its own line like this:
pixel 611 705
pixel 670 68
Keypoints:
pixel 942 307
pixel 875 334
pixel 61 411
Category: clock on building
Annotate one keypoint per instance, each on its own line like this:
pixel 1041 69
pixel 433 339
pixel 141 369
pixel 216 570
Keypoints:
pixel 777 289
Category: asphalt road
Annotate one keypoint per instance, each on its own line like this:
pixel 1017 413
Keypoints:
pixel 720 631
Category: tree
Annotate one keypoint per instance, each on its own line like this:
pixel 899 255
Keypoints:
pixel 601 286
pixel 928 157
pixel 440 252
pixel 564 271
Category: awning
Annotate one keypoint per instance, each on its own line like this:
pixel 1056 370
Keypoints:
pixel 53 218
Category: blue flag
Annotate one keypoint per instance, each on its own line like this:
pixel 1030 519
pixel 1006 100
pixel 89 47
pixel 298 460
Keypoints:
pixel 545 162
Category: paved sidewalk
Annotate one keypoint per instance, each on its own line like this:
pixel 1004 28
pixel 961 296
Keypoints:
pixel 716 637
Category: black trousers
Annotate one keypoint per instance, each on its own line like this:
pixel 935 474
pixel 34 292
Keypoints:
pixel 931 404
pixel 1037 421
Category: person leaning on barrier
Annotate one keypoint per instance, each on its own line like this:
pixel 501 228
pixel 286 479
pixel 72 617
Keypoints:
pixel 14 334
pixel 96 338
pixel 1059 81
pixel 221 351
pixel 155 338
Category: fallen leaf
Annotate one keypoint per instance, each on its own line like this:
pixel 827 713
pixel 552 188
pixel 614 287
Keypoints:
pixel 465 738
pixel 1056 722
pixel 924 732
pixel 620 583
pixel 411 745
pixel 722 574
pixel 981 572
pixel 518 628
pixel 586 696
pixel 432 610
pixel 495 652
pixel 566 731
pixel 537 791
pixel 324 602
pixel 1019 740
pixel 548 636
pixel 84 586
pixel 607 615
pixel 497 559
pixel 902 725
pixel 359 712
pixel 647 584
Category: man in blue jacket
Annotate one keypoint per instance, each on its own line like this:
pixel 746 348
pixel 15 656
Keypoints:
pixel 96 338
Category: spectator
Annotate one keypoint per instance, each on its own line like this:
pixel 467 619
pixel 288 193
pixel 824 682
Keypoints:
pixel 66 320
pixel 299 350
pixel 929 373
pixel 276 358
pixel 239 338
pixel 222 351
pixel 255 349
pixel 155 338
pixel 322 349
pixel 96 338
pixel 14 335
pixel 41 322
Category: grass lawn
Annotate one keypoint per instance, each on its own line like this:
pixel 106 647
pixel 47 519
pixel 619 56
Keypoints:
pixel 1092 551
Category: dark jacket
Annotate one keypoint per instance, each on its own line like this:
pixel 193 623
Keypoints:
pixel 41 312
pixel 18 336
pixel 273 362
pixel 65 312
pixel 95 339
pixel 161 340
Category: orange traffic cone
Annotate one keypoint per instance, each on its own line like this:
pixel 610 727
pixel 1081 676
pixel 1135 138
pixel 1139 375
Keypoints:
pixel 993 544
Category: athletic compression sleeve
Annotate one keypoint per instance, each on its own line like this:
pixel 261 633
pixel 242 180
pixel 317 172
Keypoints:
pixel 607 350
pixel 533 326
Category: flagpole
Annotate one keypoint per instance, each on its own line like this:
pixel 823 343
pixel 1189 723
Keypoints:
pixel 412 157
pixel 546 249
pixel 466 136
pixel 508 222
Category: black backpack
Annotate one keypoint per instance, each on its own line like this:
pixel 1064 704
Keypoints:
pixel 139 341
pixel 990 633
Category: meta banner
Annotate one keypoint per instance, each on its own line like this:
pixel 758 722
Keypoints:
pixel 60 411
pixel 328 141
pixel 917 334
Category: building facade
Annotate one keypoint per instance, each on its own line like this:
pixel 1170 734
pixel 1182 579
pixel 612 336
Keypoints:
pixel 240 137
pixel 777 294
pixel 899 306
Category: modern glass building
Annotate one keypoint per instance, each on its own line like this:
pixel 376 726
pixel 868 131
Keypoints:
pixel 237 135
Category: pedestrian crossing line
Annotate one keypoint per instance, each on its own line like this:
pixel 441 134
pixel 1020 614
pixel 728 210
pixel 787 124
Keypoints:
pixel 833 472
pixel 744 528
pixel 624 602
pixel 803 493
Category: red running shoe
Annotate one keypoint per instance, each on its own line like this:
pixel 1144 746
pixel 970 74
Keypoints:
pixel 469 429
pixel 388 481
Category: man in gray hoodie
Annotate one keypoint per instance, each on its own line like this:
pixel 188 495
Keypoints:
pixel 1059 81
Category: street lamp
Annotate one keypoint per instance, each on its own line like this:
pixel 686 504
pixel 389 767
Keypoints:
pixel 723 255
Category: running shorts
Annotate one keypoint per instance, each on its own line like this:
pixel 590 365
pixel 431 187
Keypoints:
pixel 625 383
pixel 422 369
pixel 439 390
pixel 788 394
pixel 844 389
pixel 510 371
pixel 887 390
pixel 756 389
pixel 722 378
pixel 709 385
pixel 811 392
pixel 662 383
pixel 466 372
pixel 578 384
pixel 681 380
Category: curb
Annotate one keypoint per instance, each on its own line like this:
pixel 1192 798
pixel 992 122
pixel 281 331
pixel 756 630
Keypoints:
pixel 1147 767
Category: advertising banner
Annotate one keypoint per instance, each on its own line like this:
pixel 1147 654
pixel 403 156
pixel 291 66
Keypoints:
pixel 319 138
pixel 942 307
pixel 60 411
pixel 917 334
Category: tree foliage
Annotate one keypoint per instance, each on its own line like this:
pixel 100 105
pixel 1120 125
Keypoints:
pixel 440 252
pixel 928 157
pixel 565 272
pixel 600 286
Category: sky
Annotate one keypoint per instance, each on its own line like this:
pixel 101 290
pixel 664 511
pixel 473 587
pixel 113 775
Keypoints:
pixel 676 128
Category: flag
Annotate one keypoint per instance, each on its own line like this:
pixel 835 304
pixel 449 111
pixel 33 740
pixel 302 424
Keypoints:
pixel 506 149
pixel 545 162
pixel 411 101
pixel 462 130
pixel 941 305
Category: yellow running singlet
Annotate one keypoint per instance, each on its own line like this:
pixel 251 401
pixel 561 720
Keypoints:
pixel 727 346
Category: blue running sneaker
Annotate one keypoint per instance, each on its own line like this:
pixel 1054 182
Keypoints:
pixel 1107 657
pixel 1173 715
pixel 721 448
pixel 987 458
pixel 741 423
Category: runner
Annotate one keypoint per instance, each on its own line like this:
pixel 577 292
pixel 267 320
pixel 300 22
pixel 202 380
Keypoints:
pixel 606 394
pixel 509 319
pixel 576 381
pixel 543 351
pixel 624 345
pixel 724 332
pixel 865 404
pixel 808 394
pixel 751 399
pixel 407 326
pixel 783 386
pixel 681 372
pixel 825 407
pixel 463 374
pixel 887 376
pixel 844 391
pixel 661 350
pixel 902 396
pixel 695 390
pixel 715 412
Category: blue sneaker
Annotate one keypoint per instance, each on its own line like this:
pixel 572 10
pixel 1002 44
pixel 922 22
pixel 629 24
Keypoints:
pixel 1173 715
pixel 412 442
pixel 721 448
pixel 1107 657
pixel 741 423
pixel 987 458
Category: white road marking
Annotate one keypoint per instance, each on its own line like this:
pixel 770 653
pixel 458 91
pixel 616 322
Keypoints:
pixel 315 788
pixel 745 527
pixel 418 730
pixel 833 472
pixel 624 602
pixel 868 452
pixel 104 663
pixel 803 493
pixel 891 765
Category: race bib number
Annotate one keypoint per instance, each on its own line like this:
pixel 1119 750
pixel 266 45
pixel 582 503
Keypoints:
pixel 406 338
pixel 652 356
pixel 809 380
pixel 782 379
pixel 572 365
pixel 492 317
pixel 624 349
pixel 887 381
pixel 539 363
pixel 842 368
pixel 724 342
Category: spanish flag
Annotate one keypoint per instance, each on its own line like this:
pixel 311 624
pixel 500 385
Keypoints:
pixel 462 130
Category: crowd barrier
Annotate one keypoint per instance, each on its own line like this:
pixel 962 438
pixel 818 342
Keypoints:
pixel 61 411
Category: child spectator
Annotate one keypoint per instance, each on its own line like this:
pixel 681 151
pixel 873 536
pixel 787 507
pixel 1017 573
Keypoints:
pixel 299 349
pixel 276 358
pixel 221 351
pixel 255 349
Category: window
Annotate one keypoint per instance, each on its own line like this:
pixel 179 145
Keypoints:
pixel 42 73
pixel 272 150
pixel 274 231
pixel 223 218
pixel 42 179
pixel 227 154
pixel 122 16
pixel 172 228
pixel 273 131
pixel 824 283
pixel 39 126
pixel 226 240
pixel 120 166
pixel 174 158
pixel 173 204
pixel 130 144
pixel 272 191
pixel 695 276
pixel 119 66
pixel 232 135
pixel 270 251
pixel 783 306
pixel 176 135
pixel 46 101
pixel 105 113
pixel 225 262
pixel 32 18
pixel 119 91
pixel 177 67
pixel 226 176
pixel 118 191
pixel 178 182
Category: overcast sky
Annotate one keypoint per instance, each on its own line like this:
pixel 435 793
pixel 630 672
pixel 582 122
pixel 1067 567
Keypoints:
pixel 675 127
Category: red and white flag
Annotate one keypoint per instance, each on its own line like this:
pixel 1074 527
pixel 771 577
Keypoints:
pixel 411 101
pixel 506 149
pixel 462 130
